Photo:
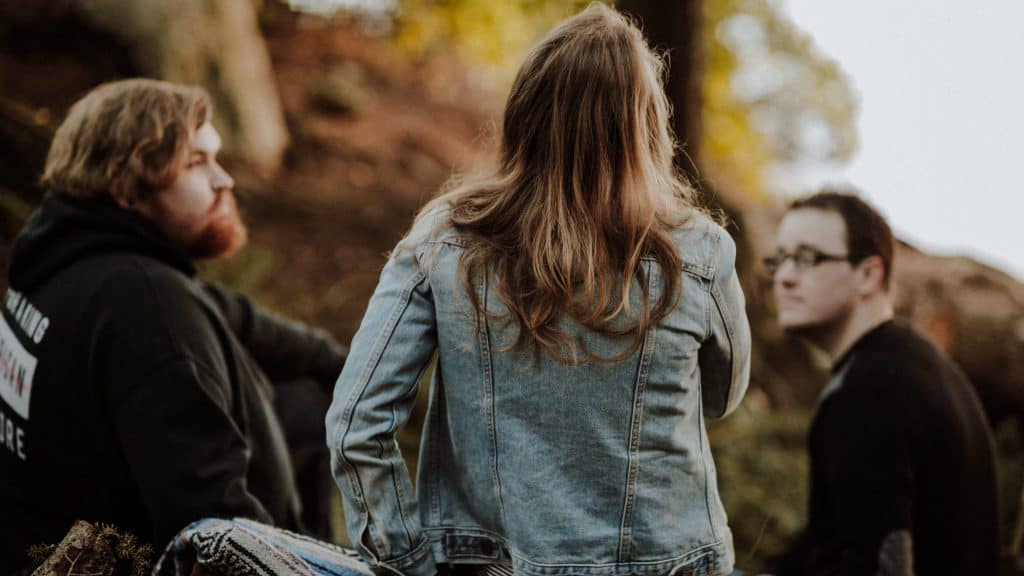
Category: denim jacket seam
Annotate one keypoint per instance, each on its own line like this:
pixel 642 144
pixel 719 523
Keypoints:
pixel 392 428
pixel 711 299
pixel 716 301
pixel 722 305
pixel 434 532
pixel 450 240
pixel 347 415
pixel 400 496
pixel 702 438
pixel 416 554
pixel 723 311
pixel 716 245
pixel 636 425
pixel 693 554
pixel 716 288
pixel 464 530
pixel 429 264
pixel 364 512
pixel 434 455
pixel 709 303
pixel 700 270
pixel 488 385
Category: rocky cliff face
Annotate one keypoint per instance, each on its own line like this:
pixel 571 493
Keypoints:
pixel 973 312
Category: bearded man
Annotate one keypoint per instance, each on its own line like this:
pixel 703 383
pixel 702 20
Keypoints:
pixel 134 393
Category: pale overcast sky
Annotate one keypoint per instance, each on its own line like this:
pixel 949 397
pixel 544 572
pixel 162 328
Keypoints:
pixel 941 86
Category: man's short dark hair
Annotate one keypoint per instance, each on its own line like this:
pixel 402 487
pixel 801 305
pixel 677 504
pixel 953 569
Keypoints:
pixel 867 232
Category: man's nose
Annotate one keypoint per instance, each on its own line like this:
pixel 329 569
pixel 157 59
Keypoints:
pixel 786 274
pixel 221 179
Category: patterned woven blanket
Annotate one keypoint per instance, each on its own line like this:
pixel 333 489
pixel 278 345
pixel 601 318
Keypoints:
pixel 243 547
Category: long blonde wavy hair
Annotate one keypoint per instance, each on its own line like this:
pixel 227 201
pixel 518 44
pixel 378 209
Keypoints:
pixel 585 188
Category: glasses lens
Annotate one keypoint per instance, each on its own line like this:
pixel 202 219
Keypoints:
pixel 806 258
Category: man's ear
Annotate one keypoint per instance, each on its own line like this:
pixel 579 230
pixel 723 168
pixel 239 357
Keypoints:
pixel 871 275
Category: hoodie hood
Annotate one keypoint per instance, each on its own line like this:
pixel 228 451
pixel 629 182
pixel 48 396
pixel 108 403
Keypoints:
pixel 65 230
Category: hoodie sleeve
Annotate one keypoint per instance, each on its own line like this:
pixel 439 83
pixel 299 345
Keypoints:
pixel 284 349
pixel 162 367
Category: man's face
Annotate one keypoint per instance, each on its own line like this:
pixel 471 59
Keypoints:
pixel 811 298
pixel 197 211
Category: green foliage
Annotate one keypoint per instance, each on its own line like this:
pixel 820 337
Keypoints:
pixel 762 476
pixel 482 31
pixel 1009 442
pixel 771 98
pixel 730 142
pixel 491 37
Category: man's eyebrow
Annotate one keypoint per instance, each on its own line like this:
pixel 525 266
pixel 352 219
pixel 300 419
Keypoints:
pixel 204 153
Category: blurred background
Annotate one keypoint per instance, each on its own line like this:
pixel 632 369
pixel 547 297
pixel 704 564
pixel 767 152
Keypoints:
pixel 342 117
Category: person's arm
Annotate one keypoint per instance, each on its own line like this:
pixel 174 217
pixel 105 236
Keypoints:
pixel 285 349
pixel 186 453
pixel 373 398
pixel 724 356
pixel 161 367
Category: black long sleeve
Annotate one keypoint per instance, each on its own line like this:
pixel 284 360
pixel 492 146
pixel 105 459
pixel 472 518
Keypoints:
pixel 284 349
pixel 902 467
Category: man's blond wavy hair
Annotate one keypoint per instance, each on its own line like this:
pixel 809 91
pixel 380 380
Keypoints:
pixel 125 139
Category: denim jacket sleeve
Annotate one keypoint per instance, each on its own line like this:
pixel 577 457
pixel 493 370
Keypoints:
pixel 373 398
pixel 725 355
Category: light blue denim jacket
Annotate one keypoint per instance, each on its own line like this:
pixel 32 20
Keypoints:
pixel 601 468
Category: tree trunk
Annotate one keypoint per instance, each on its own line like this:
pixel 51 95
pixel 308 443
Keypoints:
pixel 216 44
pixel 674 28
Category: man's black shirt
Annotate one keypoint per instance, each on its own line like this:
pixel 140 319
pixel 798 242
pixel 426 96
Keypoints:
pixel 902 466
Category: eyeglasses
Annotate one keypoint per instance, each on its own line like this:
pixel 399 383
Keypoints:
pixel 804 258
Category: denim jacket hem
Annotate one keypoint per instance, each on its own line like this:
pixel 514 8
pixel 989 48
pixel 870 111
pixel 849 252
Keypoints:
pixel 465 545
pixel 418 562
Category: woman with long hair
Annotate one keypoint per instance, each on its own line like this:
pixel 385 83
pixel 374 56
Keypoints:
pixel 586 318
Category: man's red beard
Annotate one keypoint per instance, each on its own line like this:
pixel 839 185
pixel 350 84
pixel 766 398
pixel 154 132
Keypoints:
pixel 224 233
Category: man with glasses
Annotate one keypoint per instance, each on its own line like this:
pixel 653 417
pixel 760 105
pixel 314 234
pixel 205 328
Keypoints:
pixel 902 473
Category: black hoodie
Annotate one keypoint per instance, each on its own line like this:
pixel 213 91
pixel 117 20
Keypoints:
pixel 128 394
